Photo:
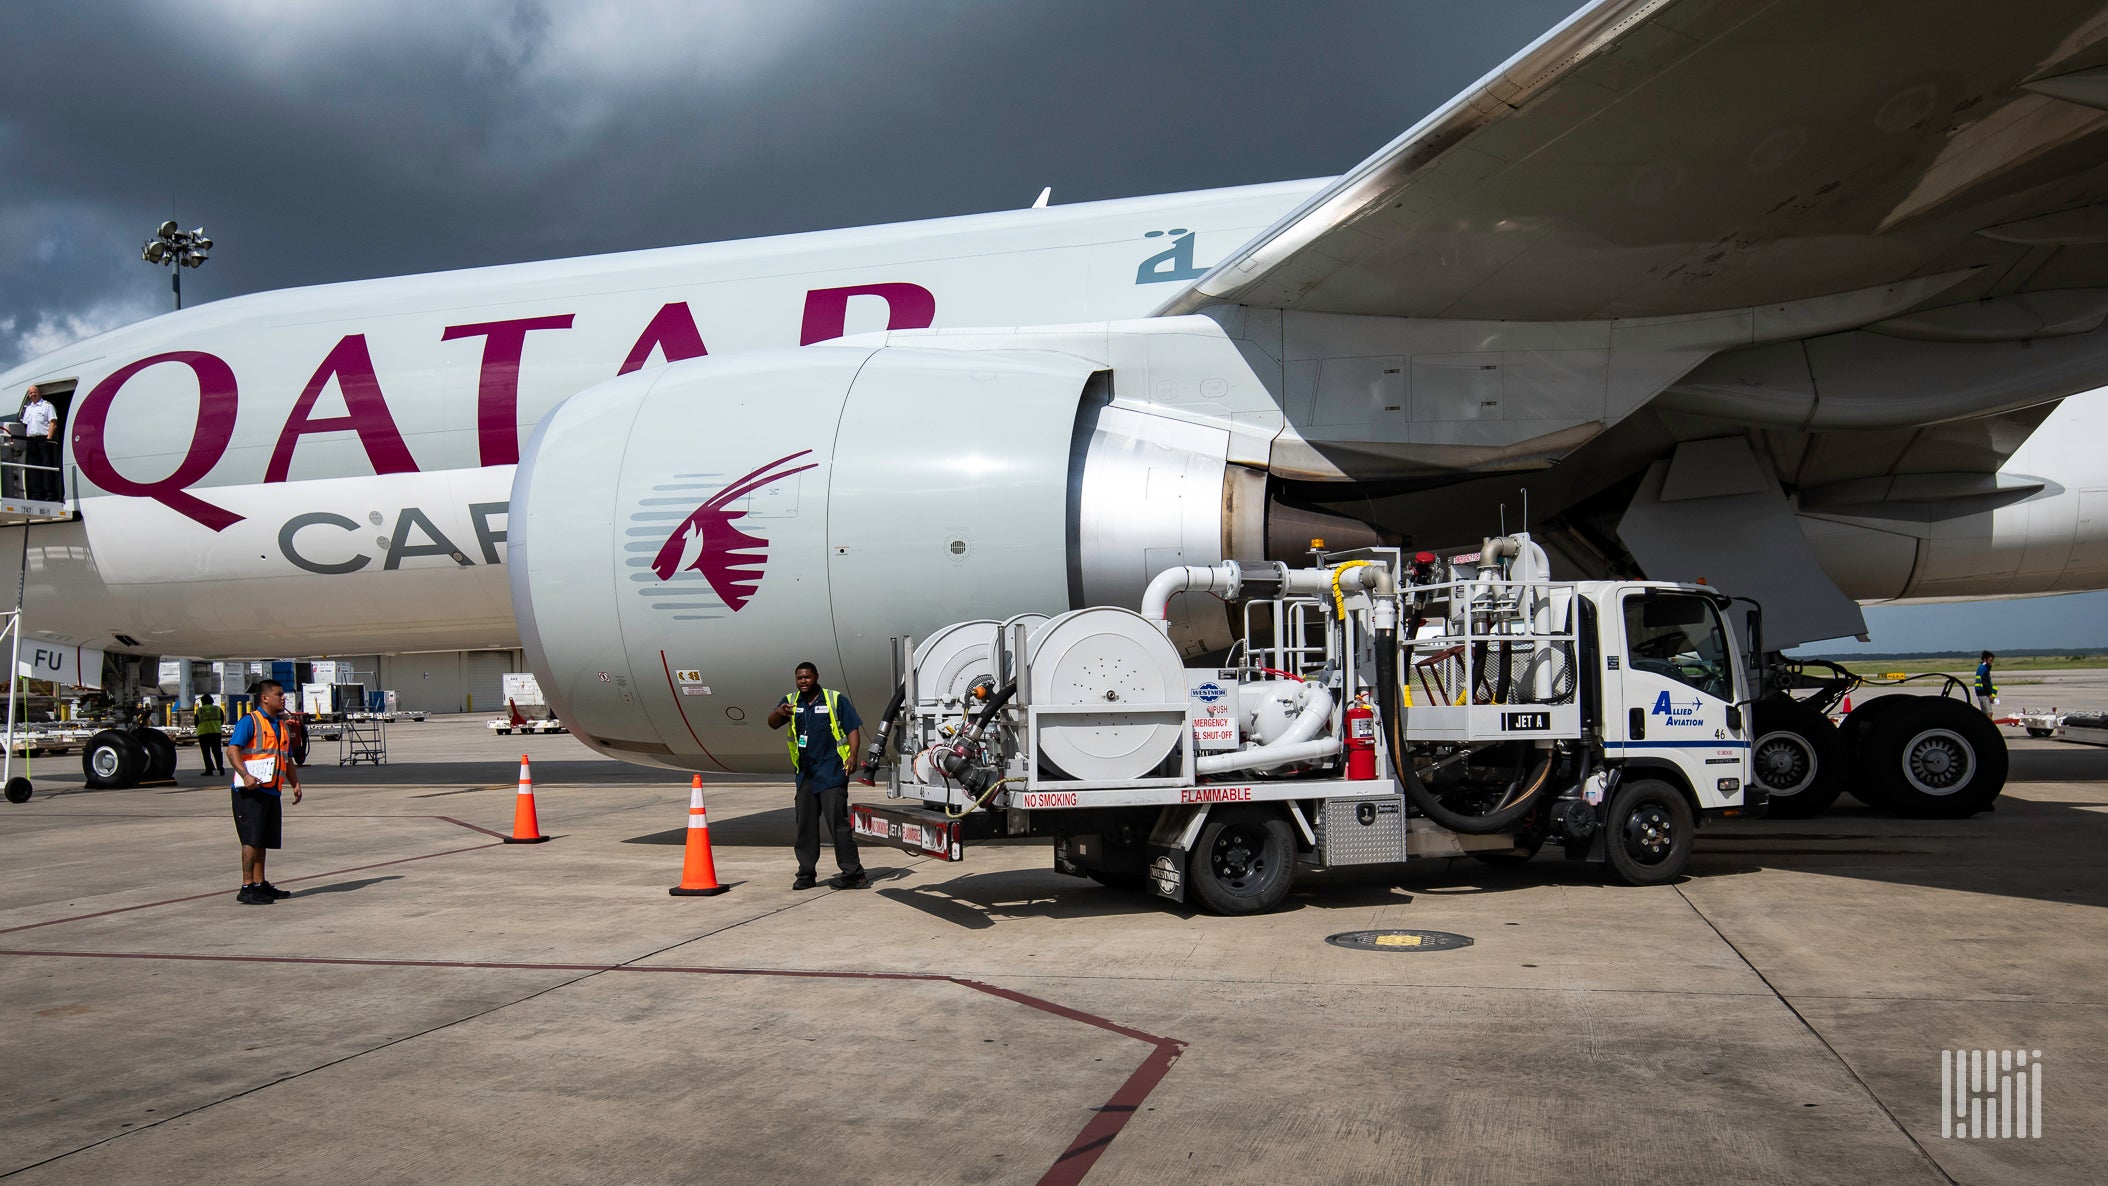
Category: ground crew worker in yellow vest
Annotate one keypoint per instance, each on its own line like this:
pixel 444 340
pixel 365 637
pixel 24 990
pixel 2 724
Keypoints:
pixel 210 720
pixel 826 732
pixel 262 766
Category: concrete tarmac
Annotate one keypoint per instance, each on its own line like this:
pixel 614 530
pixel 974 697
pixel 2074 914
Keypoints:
pixel 433 1005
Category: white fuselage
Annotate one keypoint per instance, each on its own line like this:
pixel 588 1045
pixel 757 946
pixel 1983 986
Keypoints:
pixel 327 469
pixel 341 485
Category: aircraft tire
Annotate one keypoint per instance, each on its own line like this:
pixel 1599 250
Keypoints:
pixel 112 759
pixel 160 754
pixel 1858 726
pixel 1798 757
pixel 1935 758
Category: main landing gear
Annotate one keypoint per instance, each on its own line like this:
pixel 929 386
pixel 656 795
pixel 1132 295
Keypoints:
pixel 1928 757
pixel 117 758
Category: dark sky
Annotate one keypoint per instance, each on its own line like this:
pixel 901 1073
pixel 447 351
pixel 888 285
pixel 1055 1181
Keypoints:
pixel 330 141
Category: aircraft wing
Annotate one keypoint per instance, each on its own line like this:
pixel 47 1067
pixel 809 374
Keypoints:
pixel 1651 158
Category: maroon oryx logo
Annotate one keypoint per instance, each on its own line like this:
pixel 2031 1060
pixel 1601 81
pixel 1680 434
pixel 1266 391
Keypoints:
pixel 730 559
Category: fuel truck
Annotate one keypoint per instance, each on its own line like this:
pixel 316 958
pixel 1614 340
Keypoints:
pixel 1377 708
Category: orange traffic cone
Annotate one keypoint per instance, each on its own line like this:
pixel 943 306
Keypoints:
pixel 526 829
pixel 1845 709
pixel 698 868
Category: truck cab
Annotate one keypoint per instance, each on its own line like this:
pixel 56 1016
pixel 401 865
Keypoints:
pixel 1675 690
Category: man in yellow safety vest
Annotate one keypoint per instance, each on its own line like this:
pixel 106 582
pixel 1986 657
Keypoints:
pixel 210 719
pixel 827 732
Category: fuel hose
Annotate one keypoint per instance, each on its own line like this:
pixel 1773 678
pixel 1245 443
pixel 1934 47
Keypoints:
pixel 1424 800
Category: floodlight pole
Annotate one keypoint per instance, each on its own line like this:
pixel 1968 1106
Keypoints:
pixel 176 249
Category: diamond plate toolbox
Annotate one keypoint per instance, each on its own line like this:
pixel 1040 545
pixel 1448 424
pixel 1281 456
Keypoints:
pixel 1362 831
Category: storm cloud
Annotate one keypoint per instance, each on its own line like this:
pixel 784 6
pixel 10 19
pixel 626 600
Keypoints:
pixel 320 142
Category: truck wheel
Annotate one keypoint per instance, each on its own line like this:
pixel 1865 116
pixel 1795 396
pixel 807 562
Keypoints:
pixel 1244 861
pixel 1797 756
pixel 160 754
pixel 1935 758
pixel 112 759
pixel 2034 732
pixel 1648 838
pixel 1860 781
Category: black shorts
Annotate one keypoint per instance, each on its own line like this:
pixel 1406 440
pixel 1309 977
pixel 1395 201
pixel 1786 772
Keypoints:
pixel 258 818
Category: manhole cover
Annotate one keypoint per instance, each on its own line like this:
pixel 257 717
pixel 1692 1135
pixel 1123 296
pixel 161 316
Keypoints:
pixel 1399 940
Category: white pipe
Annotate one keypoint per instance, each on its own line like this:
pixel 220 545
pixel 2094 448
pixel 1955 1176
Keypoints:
pixel 1532 565
pixel 1294 744
pixel 1277 754
pixel 1191 578
pixel 1308 582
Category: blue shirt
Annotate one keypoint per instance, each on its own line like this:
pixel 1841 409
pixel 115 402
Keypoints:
pixel 1983 678
pixel 819 763
pixel 244 735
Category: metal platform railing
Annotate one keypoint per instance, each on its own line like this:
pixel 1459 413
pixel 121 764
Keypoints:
pixel 1504 666
pixel 37 493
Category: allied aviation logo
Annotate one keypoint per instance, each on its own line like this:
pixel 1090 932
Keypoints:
pixel 707 542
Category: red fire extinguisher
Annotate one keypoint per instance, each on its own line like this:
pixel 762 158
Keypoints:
pixel 1361 741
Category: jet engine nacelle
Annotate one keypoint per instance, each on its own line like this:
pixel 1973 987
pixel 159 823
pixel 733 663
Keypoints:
pixel 680 538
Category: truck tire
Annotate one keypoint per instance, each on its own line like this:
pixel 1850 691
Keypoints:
pixel 112 759
pixel 160 754
pixel 1858 726
pixel 1797 756
pixel 1647 839
pixel 1935 757
pixel 1243 862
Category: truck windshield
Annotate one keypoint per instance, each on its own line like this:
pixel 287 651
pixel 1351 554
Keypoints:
pixel 1678 635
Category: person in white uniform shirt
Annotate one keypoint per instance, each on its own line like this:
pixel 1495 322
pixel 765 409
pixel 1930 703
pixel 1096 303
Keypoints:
pixel 43 452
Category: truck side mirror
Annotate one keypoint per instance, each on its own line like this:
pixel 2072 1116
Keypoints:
pixel 1638 731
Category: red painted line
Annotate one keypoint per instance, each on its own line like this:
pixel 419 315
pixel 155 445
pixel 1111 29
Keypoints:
pixel 683 710
pixel 289 881
pixel 1058 1010
pixel 1098 1134
pixel 1083 1151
